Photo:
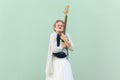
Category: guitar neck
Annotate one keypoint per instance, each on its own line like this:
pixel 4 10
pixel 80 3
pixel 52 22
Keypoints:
pixel 65 24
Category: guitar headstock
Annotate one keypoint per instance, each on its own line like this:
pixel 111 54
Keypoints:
pixel 66 10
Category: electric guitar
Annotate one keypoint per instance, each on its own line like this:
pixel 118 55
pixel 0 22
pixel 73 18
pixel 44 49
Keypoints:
pixel 65 21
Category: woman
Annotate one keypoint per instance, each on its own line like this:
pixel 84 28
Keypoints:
pixel 58 66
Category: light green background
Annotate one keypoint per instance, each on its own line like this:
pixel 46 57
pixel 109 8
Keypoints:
pixel 94 26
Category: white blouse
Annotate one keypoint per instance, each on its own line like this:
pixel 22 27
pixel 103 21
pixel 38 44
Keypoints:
pixel 53 43
pixel 53 48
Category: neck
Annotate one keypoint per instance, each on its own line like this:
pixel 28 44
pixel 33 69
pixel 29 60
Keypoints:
pixel 58 32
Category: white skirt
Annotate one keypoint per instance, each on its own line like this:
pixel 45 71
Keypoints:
pixel 62 69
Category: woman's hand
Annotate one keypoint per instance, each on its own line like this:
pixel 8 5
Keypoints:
pixel 63 37
pixel 63 45
pixel 66 43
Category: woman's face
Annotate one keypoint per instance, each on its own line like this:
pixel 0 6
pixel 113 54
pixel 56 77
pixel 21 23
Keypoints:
pixel 59 27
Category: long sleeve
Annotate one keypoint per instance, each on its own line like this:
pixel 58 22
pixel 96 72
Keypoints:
pixel 72 46
pixel 53 44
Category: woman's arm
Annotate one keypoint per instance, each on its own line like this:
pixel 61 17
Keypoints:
pixel 67 41
pixel 53 44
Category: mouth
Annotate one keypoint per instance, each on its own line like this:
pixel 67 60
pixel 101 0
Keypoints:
pixel 60 28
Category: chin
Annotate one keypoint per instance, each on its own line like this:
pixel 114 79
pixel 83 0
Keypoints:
pixel 60 31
